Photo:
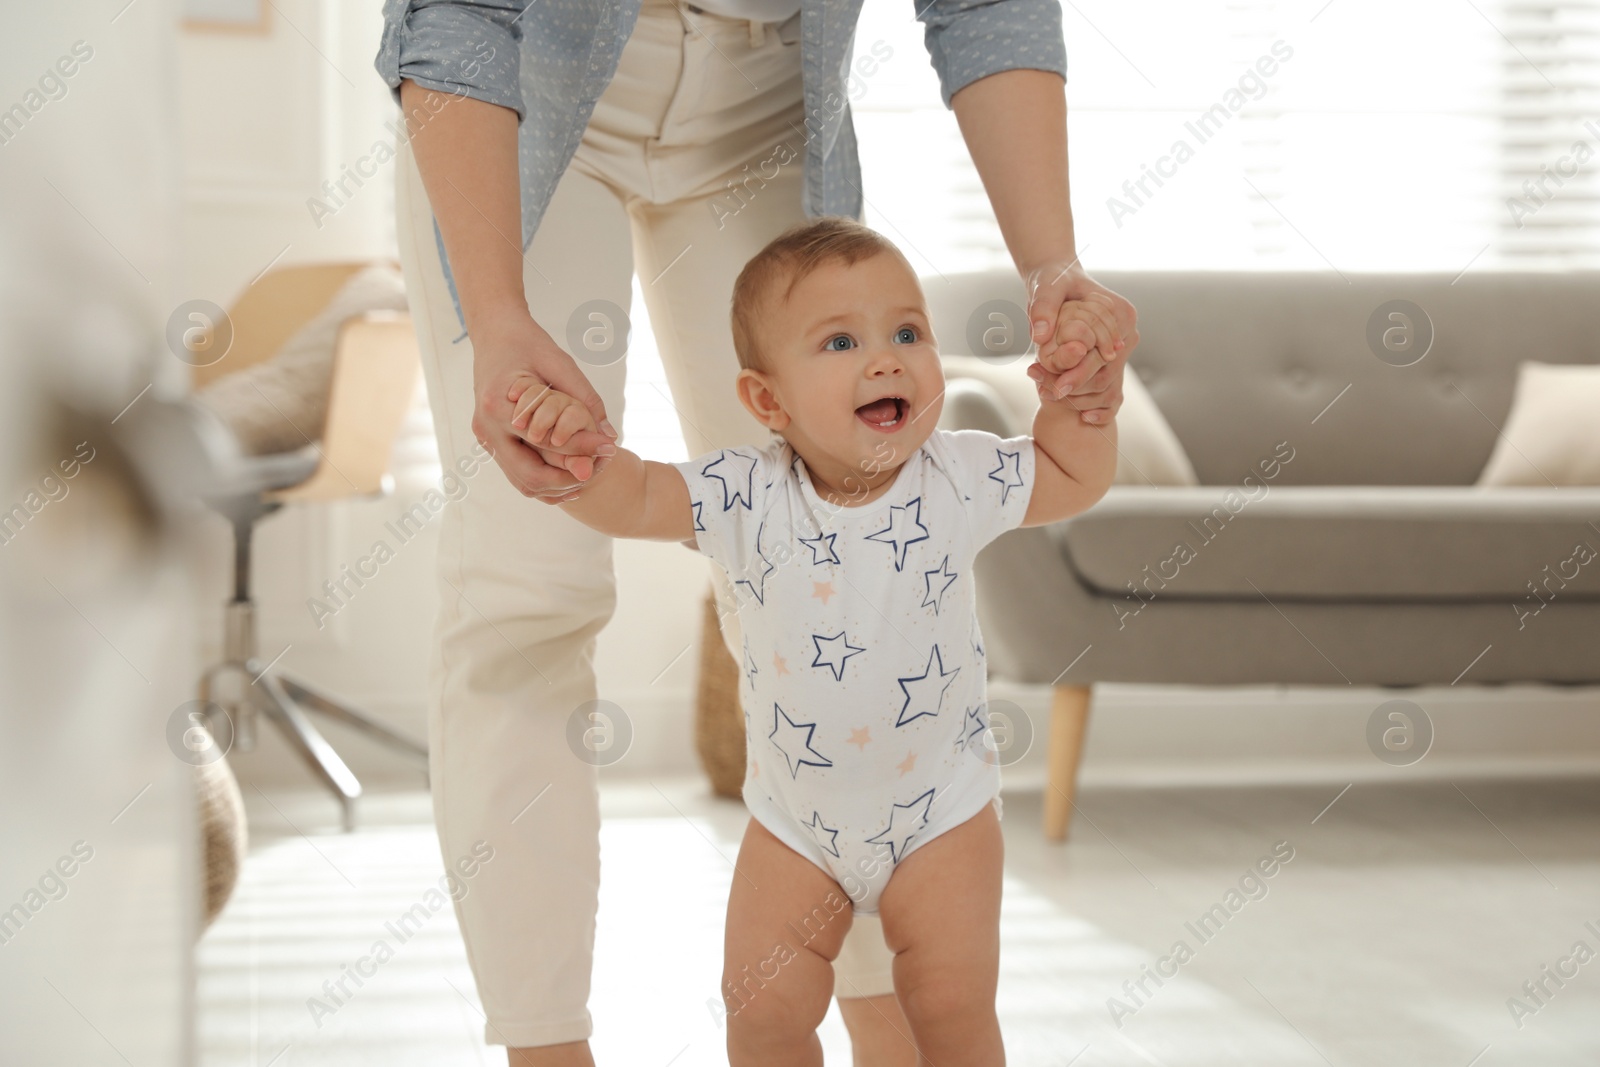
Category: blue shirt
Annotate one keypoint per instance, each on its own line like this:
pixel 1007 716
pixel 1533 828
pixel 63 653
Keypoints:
pixel 549 61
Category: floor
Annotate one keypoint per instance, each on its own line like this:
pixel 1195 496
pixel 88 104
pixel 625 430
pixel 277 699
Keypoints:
pixel 1398 927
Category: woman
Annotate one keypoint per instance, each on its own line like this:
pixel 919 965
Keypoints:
pixel 672 141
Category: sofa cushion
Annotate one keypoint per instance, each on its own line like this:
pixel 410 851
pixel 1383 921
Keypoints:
pixel 1148 452
pixel 1550 437
pixel 1335 543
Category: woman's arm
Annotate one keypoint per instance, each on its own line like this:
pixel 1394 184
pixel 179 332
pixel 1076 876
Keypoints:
pixel 1015 126
pixel 454 66
pixel 466 152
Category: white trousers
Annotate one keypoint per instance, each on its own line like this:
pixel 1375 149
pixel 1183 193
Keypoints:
pixel 524 588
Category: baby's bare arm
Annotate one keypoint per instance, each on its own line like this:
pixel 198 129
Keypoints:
pixel 634 497
pixel 627 496
pixel 1074 461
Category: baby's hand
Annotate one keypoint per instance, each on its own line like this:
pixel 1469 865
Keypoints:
pixel 547 419
pixel 1085 332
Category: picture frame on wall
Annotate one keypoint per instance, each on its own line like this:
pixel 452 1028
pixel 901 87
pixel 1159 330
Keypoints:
pixel 236 16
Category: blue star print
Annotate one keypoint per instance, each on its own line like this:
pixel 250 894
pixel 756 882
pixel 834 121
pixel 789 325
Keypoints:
pixel 749 664
pixel 1011 469
pixel 818 828
pixel 759 585
pixel 801 745
pixel 815 544
pixel 839 649
pixel 930 579
pixel 973 728
pixel 898 534
pixel 930 678
pixel 698 525
pixel 900 830
pixel 737 485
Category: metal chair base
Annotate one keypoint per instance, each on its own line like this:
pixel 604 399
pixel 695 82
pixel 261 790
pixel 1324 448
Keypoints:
pixel 284 700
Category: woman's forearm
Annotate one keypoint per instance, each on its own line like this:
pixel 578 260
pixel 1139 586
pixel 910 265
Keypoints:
pixel 466 151
pixel 1015 126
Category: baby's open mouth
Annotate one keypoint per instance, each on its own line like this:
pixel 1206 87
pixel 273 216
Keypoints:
pixel 885 414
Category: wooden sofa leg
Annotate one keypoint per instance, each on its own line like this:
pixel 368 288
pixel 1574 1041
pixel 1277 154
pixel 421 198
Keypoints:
pixel 1069 720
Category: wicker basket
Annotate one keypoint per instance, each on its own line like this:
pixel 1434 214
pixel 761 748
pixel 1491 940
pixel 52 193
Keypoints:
pixel 718 720
pixel 224 836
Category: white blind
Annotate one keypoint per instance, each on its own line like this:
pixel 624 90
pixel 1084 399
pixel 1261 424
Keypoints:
pixel 1330 134
pixel 1550 132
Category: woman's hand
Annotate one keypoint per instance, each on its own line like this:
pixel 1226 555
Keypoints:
pixel 512 354
pixel 1085 334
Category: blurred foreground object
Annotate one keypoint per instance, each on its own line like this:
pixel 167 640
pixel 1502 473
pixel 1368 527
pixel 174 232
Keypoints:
pixel 99 882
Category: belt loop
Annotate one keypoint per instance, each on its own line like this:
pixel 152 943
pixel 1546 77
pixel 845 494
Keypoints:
pixel 758 33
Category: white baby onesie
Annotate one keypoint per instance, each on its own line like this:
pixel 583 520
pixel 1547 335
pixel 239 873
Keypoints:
pixel 863 674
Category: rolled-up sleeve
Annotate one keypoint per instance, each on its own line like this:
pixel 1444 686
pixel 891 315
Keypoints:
pixel 970 39
pixel 466 48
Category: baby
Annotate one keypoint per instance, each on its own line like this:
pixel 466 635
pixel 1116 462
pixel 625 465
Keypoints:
pixel 849 538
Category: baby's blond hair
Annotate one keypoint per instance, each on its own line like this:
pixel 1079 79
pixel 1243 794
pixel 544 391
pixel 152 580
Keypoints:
pixel 789 258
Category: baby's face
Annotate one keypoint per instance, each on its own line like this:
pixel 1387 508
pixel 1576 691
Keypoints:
pixel 853 368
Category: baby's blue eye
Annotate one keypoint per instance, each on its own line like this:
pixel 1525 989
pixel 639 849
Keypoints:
pixel 848 344
pixel 908 330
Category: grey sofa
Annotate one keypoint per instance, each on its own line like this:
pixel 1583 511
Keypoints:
pixel 1368 558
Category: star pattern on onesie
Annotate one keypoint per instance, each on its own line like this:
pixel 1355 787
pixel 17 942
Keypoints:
pixel 1008 473
pixel 818 828
pixel 930 677
pixel 758 587
pixel 899 534
pixel 973 724
pixel 738 475
pixel 932 578
pixel 898 834
pixel 945 505
pixel 817 547
pixel 839 649
pixel 794 743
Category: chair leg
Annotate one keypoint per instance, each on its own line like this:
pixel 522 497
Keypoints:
pixel 1069 721
pixel 360 720
pixel 281 710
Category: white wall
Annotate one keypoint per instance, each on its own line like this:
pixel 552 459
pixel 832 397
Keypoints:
pixel 266 119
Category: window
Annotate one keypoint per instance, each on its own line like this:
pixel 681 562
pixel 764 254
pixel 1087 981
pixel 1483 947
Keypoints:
pixel 1351 135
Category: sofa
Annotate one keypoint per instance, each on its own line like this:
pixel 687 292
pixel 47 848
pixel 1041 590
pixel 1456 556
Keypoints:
pixel 1335 426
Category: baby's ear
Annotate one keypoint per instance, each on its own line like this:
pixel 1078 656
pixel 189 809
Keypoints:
pixel 757 394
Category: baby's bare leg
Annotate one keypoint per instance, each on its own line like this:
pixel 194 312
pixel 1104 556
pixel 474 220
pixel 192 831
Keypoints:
pixel 786 921
pixel 941 918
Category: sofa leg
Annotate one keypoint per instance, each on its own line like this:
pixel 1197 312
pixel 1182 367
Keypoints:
pixel 1069 720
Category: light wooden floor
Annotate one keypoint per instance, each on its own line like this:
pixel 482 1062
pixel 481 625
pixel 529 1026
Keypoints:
pixel 1407 917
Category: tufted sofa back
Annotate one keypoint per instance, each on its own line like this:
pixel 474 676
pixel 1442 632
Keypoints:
pixel 1239 362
